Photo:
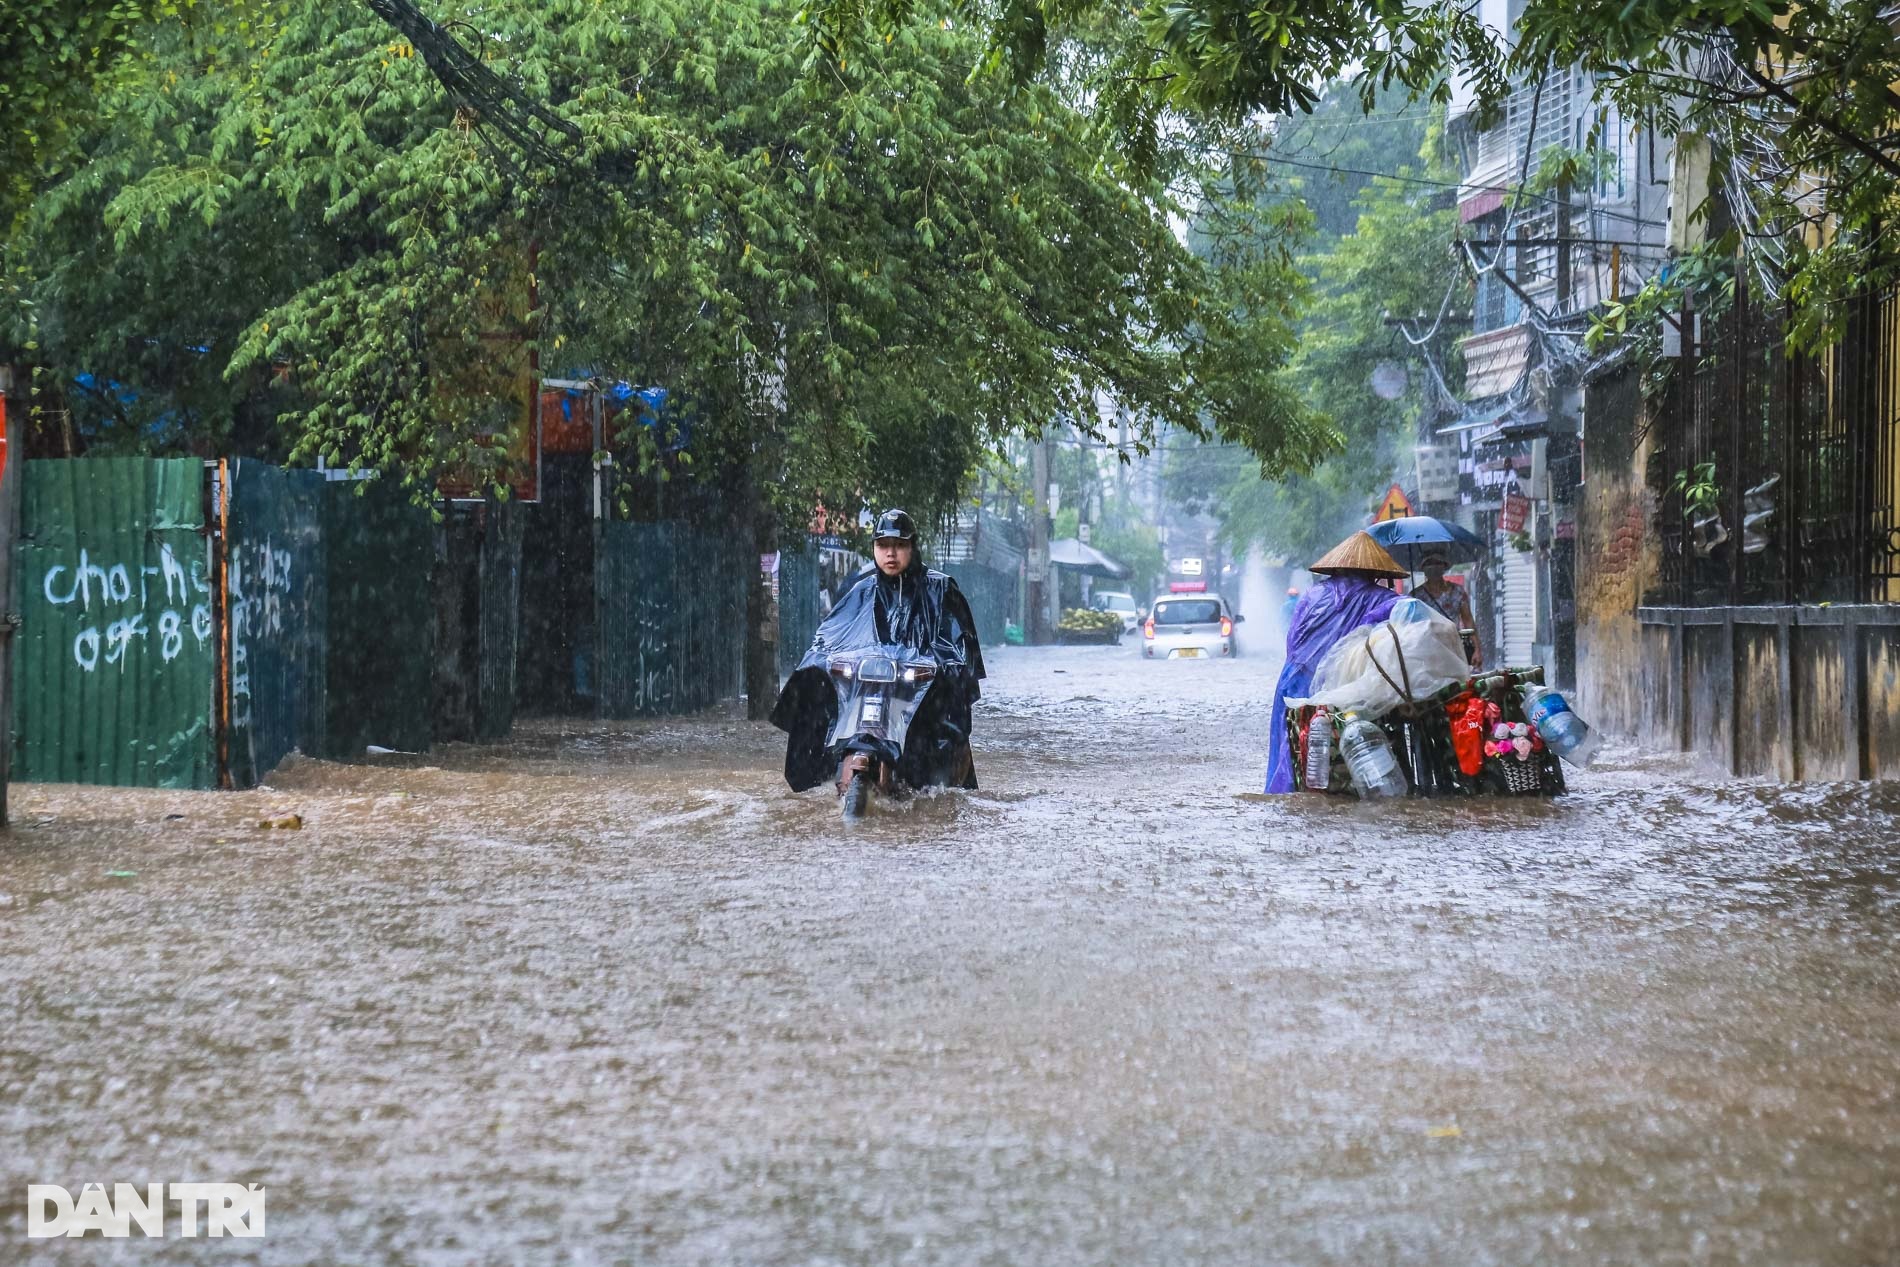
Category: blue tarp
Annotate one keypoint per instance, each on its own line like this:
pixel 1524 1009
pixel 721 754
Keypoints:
pixel 618 395
pixel 1327 612
pixel 165 428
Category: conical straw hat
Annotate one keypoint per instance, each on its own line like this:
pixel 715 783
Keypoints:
pixel 1359 553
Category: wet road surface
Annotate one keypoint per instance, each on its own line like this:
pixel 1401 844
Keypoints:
pixel 610 994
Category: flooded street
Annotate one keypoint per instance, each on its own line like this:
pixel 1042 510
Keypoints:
pixel 610 994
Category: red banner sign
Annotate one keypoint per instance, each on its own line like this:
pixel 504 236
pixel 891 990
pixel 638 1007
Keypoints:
pixel 1516 510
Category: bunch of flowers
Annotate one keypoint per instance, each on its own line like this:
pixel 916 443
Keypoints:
pixel 1513 739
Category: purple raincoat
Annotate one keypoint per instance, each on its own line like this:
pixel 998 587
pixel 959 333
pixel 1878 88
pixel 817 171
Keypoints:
pixel 1327 612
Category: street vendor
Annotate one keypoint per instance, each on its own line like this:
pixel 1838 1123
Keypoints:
pixel 1453 602
pixel 1356 592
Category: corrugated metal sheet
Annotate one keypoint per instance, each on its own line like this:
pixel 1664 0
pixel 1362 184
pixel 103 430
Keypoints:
pixel 637 610
pixel 798 587
pixel 671 615
pixel 992 596
pixel 116 647
pixel 379 548
pixel 477 618
pixel 276 604
pixel 500 581
pixel 1495 360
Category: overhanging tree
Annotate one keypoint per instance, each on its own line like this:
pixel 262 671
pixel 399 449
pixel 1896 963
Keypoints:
pixel 1384 254
pixel 909 263
pixel 1799 97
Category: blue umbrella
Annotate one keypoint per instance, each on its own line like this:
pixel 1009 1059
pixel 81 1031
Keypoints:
pixel 1412 537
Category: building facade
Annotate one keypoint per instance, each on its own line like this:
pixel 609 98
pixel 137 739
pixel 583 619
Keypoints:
pixel 1542 252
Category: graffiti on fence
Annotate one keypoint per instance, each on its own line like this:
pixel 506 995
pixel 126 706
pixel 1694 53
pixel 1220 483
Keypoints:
pixel 124 606
pixel 652 686
pixel 259 586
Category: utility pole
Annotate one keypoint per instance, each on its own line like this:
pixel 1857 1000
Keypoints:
pixel 1563 247
pixel 12 451
pixel 1121 453
pixel 1036 619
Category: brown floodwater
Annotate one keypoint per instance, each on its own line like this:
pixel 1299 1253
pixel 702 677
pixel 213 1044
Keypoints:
pixel 608 993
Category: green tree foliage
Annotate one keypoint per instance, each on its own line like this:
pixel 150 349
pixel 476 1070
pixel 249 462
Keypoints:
pixel 56 56
pixel 1225 59
pixel 851 291
pixel 1800 104
pixel 1799 95
pixel 1328 160
pixel 1392 261
pixel 1126 535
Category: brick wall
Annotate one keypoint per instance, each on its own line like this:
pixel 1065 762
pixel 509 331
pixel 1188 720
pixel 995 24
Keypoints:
pixel 1617 555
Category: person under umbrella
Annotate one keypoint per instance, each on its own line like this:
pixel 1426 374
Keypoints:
pixel 1453 602
pixel 1350 597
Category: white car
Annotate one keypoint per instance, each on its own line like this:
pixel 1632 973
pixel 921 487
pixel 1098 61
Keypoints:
pixel 1122 605
pixel 1190 627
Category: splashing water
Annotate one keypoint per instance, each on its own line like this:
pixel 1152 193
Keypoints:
pixel 608 993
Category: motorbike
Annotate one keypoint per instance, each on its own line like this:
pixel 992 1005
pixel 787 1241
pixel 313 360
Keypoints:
pixel 879 692
pixel 881 701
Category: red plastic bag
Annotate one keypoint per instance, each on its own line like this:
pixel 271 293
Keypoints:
pixel 1467 714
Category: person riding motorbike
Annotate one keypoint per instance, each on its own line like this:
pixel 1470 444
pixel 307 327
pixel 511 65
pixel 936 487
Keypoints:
pixel 893 607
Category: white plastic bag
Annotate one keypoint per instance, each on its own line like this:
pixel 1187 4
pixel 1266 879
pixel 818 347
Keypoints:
pixel 1411 654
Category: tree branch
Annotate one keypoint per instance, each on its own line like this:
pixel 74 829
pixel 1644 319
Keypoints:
pixel 1827 123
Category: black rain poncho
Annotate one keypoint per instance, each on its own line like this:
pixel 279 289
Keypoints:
pixel 921 610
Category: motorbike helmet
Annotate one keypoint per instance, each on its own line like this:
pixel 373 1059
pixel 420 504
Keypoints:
pixel 894 524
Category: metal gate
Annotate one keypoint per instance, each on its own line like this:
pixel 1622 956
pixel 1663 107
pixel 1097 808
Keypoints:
pixel 379 549
pixel 116 648
pixel 477 597
pixel 1516 606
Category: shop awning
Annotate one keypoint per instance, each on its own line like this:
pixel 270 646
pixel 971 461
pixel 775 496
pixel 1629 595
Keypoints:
pixel 1481 414
pixel 1067 552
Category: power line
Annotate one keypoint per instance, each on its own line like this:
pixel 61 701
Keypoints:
pixel 1296 127
pixel 1439 184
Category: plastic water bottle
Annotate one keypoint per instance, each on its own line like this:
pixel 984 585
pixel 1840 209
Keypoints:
pixel 1319 751
pixel 1374 769
pixel 1563 730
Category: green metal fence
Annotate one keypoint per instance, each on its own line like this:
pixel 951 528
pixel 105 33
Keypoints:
pixel 798 606
pixel 992 596
pixel 477 598
pixel 277 604
pixel 185 628
pixel 379 550
pixel 671 620
pixel 117 647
